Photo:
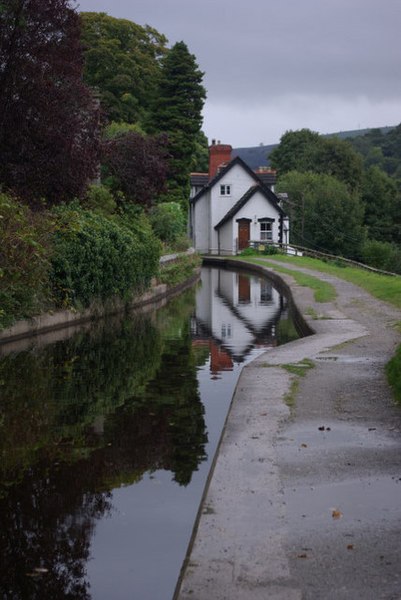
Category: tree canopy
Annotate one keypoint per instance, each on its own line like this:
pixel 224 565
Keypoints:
pixel 324 215
pixel 48 117
pixel 382 199
pixel 381 149
pixel 305 150
pixel 177 111
pixel 122 60
pixel 137 166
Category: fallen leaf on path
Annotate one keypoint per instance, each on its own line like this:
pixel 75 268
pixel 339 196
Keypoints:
pixel 336 514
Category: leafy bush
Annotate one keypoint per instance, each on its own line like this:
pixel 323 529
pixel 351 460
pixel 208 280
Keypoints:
pixel 270 250
pixel 249 252
pixel 135 220
pixel 382 255
pixel 97 258
pixel 99 199
pixel 24 261
pixel 168 221
pixel 178 271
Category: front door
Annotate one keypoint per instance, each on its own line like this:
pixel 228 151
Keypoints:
pixel 243 234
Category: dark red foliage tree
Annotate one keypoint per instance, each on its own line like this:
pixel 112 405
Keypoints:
pixel 49 119
pixel 137 166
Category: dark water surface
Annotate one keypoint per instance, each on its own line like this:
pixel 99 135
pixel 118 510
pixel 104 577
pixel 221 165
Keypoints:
pixel 106 440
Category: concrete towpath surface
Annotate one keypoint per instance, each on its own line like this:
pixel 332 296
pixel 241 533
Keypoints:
pixel 304 502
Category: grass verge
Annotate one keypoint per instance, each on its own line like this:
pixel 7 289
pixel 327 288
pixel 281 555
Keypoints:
pixel 383 287
pixel 393 371
pixel 323 291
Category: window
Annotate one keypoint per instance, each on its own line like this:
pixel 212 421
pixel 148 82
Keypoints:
pixel 226 330
pixel 266 294
pixel 225 190
pixel 266 231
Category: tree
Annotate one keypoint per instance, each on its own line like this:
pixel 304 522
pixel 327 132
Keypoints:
pixel 48 117
pixel 324 215
pixel 201 155
pixel 122 60
pixel 290 154
pixel 381 149
pixel 177 111
pixel 382 201
pixel 307 151
pixel 336 157
pixel 137 166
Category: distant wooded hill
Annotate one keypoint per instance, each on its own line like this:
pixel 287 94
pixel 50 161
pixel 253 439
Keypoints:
pixel 258 156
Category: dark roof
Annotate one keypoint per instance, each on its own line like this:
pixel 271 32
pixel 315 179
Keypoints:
pixel 236 161
pixel 270 197
pixel 198 179
pixel 267 177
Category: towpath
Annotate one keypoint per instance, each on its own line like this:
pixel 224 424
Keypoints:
pixel 304 501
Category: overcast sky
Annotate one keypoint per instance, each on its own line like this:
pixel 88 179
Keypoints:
pixel 329 65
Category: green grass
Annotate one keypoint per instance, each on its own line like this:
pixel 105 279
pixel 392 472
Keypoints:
pixel 383 287
pixel 290 397
pixel 300 368
pixel 393 371
pixel 323 291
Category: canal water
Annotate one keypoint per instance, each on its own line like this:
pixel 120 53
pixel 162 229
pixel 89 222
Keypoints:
pixel 107 437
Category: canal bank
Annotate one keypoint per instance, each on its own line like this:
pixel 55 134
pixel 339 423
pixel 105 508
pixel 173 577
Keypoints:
pixel 108 432
pixel 304 499
pixel 49 326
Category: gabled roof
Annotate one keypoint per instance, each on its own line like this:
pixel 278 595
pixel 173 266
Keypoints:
pixel 236 161
pixel 268 194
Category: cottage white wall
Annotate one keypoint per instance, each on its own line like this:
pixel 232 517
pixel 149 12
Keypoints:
pixel 201 224
pixel 240 182
pixel 226 234
pixel 258 207
pixel 212 207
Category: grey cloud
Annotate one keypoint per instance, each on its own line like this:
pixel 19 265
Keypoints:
pixel 257 52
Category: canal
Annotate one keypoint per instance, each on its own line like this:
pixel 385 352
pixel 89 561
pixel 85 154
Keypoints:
pixel 107 435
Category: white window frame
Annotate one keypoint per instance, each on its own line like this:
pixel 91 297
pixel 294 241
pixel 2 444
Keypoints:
pixel 225 189
pixel 266 231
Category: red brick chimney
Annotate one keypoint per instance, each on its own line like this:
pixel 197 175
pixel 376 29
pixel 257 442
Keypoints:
pixel 219 155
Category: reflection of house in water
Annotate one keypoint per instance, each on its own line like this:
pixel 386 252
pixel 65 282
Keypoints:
pixel 238 312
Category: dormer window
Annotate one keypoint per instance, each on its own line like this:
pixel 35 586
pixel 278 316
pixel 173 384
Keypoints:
pixel 225 190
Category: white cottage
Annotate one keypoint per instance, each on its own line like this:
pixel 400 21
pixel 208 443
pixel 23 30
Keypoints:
pixel 233 207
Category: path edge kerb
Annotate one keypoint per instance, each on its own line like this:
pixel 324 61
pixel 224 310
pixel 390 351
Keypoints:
pixel 283 284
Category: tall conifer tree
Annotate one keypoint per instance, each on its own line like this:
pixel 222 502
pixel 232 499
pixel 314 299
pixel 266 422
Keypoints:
pixel 177 111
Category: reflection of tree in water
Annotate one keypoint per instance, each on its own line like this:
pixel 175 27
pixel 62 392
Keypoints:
pixel 46 522
pixel 81 418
